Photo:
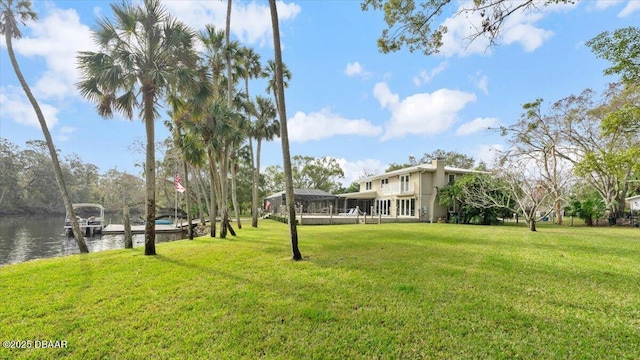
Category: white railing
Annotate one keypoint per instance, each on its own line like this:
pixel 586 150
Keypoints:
pixel 398 189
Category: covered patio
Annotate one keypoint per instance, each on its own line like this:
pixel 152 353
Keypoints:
pixel 363 201
pixel 310 201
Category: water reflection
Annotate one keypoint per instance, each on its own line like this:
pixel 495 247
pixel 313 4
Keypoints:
pixel 25 238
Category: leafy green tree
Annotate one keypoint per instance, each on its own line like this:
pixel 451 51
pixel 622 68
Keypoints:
pixel 514 186
pixel 588 206
pixel 144 54
pixel 316 173
pixel 413 24
pixel 273 179
pixel 11 13
pixel 353 187
pixel 622 48
pixel 278 84
pixel 10 191
pixel 37 176
pixel 473 212
pixel 450 158
pixel 83 178
pixel 119 188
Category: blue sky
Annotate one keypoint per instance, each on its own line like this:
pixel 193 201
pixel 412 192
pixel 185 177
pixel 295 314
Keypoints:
pixel 346 99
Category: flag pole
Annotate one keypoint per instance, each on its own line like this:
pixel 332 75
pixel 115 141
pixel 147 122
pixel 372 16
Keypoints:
pixel 175 207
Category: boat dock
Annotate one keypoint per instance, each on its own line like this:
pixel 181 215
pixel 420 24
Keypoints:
pixel 139 229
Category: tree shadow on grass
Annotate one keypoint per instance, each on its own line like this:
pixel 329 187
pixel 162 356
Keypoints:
pixel 203 269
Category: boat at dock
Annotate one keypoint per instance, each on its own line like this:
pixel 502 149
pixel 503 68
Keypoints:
pixel 90 218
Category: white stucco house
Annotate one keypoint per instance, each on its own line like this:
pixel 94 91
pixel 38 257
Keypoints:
pixel 634 202
pixel 405 193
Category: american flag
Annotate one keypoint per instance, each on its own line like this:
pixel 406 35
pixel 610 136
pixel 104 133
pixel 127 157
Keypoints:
pixel 177 185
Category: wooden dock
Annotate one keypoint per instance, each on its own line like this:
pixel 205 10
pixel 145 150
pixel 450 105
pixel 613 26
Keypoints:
pixel 139 229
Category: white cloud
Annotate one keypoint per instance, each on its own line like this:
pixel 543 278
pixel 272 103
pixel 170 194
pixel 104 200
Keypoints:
pixel 324 124
pixel 477 125
pixel 422 113
pixel 355 170
pixel 356 69
pixel 529 36
pixel 65 132
pixel 14 105
pixel 487 153
pixel 250 21
pixel 97 11
pixel 519 28
pixel 425 76
pixel 481 82
pixel 632 6
pixel 49 39
pixel 603 4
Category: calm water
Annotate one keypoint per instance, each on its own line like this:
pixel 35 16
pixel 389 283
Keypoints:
pixel 26 238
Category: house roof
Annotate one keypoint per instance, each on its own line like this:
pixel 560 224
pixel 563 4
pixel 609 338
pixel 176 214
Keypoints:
pixel 632 198
pixel 308 194
pixel 417 168
pixel 369 194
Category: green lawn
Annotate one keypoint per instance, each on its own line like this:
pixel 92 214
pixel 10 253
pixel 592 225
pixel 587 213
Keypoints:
pixel 364 291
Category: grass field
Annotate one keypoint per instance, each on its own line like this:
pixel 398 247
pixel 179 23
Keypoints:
pixel 389 291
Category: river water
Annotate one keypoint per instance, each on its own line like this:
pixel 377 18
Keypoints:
pixel 24 238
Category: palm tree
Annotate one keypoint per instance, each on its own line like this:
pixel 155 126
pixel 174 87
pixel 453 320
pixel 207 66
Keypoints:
pixel 147 52
pixel 252 69
pixel 11 13
pixel 269 72
pixel 266 127
pixel 278 86
pixel 191 151
pixel 227 33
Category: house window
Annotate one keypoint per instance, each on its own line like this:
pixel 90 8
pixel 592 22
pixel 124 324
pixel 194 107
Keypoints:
pixel 384 183
pixel 406 207
pixel 452 178
pixel 382 207
pixel 367 185
pixel 404 183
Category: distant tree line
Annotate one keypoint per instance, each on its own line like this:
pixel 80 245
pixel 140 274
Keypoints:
pixel 27 179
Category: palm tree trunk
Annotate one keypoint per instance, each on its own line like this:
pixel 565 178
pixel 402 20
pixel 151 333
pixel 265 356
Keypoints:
pixel 234 193
pixel 165 190
pixel 213 208
pixel 225 162
pixel 256 178
pixel 202 194
pixel 254 184
pixel 150 172
pixel 186 186
pixel 52 150
pixel 224 192
pixel 284 135
pixel 198 196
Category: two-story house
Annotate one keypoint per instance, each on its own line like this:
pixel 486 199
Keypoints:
pixel 405 193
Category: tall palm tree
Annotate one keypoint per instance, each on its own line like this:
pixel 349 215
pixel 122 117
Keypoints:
pixel 221 54
pixel 191 152
pixel 213 60
pixel 145 52
pixel 227 33
pixel 12 13
pixel 266 127
pixel 252 69
pixel 279 85
pixel 269 72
